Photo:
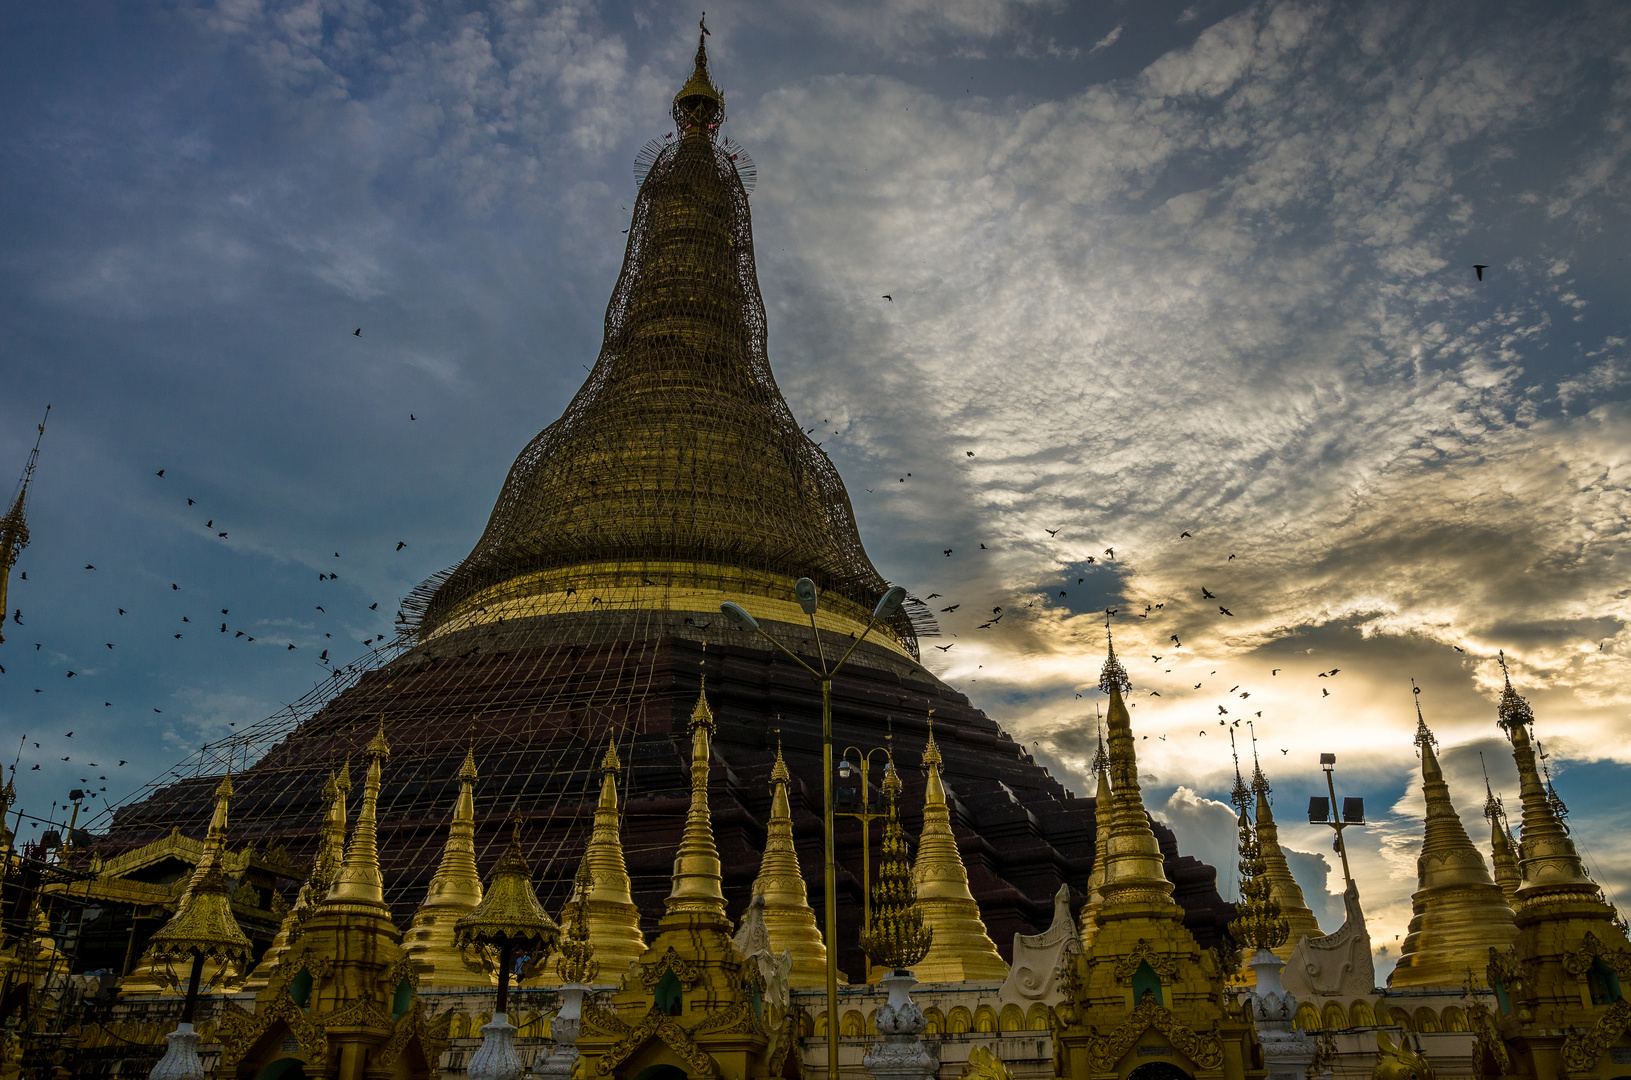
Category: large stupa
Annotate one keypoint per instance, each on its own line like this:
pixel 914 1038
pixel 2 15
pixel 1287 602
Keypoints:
pixel 587 616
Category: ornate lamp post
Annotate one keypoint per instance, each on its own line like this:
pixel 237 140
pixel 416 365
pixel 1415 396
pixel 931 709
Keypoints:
pixel 203 930
pixel 866 815
pixel 896 939
pixel 890 603
pixel 510 921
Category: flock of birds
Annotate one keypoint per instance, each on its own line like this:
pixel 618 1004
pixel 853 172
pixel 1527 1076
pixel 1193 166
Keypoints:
pixel 183 627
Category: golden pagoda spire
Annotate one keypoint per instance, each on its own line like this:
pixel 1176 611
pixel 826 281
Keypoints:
pixel 453 891
pixel 1548 862
pixel 330 850
pixel 612 919
pixel 1283 887
pixel 1134 873
pixel 1459 913
pixel 1502 849
pixel 358 882
pixel 960 948
pixel 1101 845
pixel 747 497
pixel 214 840
pixel 789 919
pixel 699 107
pixel 14 525
pixel 696 883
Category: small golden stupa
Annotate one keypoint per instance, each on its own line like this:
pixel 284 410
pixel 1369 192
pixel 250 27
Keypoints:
pixel 789 919
pixel 1459 913
pixel 453 893
pixel 961 950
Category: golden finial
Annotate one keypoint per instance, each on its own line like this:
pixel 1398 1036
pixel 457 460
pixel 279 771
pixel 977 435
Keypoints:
pixel 609 762
pixel 1494 812
pixel 778 771
pixel 1514 711
pixel 1260 783
pixel 702 714
pixel 467 771
pixel 1101 756
pixel 1113 676
pixel 1424 734
pixel 377 746
pixel 699 107
pixel 931 751
pixel 1240 795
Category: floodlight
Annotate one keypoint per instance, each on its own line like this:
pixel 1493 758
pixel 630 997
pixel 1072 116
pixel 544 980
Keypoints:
pixel 737 614
pixel 889 603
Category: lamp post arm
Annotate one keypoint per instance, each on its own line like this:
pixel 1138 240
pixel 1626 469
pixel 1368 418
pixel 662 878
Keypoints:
pixel 821 651
pixel 870 624
pixel 789 653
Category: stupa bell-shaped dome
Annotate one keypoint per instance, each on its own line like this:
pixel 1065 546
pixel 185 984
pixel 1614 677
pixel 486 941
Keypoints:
pixel 677 465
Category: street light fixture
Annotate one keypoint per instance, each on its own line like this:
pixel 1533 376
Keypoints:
pixel 805 592
pixel 866 815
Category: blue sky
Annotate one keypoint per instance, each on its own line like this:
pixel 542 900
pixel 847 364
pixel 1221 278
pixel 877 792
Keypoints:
pixel 1161 267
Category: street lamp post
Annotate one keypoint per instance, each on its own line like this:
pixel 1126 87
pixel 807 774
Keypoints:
pixel 804 589
pixel 1323 812
pixel 865 815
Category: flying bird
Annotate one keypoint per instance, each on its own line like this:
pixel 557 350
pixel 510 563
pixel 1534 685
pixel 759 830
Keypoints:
pixel 1325 693
pixel 1479 268
pixel 1053 532
pixel 889 298
pixel 357 332
pixel 948 552
pixel 1230 557
pixel 400 544
pixel 970 453
pixel 159 473
pixel 88 566
pixel 1110 552
pixel 945 648
pixel 174 587
pixel 189 502
pixel 1155 693
pixel 1276 671
pixel 374 606
pixel 1226 611
pixel 291 644
pixel 1176 642
pixel 1182 535
pixel 1205 595
pixel 949 610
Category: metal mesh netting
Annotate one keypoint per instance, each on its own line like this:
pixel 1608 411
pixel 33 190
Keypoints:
pixel 677 463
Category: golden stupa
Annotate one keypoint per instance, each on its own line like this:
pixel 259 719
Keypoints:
pixel 789 919
pixel 453 893
pixel 1459 913
pixel 960 949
